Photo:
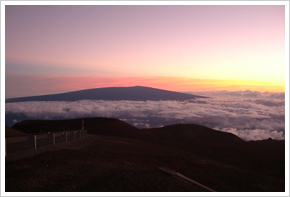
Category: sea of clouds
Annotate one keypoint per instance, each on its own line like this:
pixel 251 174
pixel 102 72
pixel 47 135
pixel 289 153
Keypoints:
pixel 249 115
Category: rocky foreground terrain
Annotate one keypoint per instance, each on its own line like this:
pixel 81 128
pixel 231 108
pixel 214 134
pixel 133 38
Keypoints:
pixel 121 158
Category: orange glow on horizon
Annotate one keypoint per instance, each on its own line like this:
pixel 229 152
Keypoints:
pixel 51 84
pixel 200 85
pixel 179 84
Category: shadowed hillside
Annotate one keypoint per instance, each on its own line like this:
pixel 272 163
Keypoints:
pixel 10 132
pixel 125 154
pixel 100 126
pixel 193 134
pixel 265 156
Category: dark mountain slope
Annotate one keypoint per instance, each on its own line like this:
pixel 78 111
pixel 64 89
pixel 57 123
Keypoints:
pixel 193 134
pixel 10 132
pixel 100 126
pixel 137 93
pixel 115 164
pixel 266 156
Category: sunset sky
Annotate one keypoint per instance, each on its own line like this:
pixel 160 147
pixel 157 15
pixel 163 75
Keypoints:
pixel 53 48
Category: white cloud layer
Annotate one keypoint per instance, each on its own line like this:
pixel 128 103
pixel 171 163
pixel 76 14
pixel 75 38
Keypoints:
pixel 254 117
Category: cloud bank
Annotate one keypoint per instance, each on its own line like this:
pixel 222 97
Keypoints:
pixel 249 117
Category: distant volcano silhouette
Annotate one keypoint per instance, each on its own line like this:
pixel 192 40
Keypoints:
pixel 136 93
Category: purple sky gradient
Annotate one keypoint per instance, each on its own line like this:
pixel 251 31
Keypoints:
pixel 241 42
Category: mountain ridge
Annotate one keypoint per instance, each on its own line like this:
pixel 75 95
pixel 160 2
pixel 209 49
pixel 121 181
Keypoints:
pixel 134 93
pixel 116 127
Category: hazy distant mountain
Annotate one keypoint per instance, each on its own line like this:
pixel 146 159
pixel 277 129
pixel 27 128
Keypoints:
pixel 136 93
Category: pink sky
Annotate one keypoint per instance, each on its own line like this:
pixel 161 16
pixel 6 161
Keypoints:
pixel 51 49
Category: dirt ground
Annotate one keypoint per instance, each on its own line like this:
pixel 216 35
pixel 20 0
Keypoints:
pixel 101 163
